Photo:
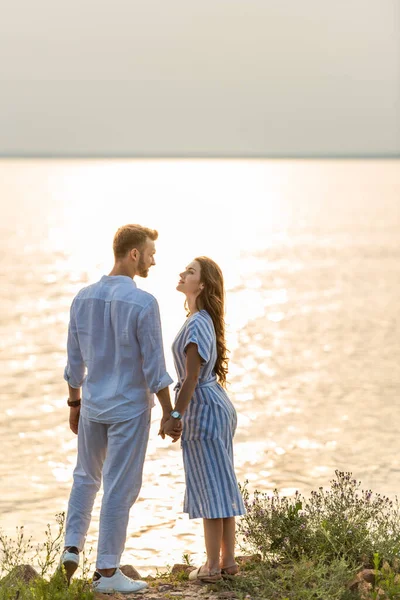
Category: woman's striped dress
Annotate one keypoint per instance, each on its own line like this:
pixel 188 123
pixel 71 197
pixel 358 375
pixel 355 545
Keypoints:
pixel 209 425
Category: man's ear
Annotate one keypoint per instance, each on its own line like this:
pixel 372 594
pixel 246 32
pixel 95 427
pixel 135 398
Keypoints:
pixel 134 254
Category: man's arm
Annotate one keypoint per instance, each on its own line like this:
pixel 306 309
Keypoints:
pixel 151 348
pixel 153 362
pixel 74 371
pixel 74 411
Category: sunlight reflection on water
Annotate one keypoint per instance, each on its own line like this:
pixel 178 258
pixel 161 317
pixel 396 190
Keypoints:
pixel 310 252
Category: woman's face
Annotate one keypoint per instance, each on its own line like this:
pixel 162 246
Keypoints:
pixel 189 282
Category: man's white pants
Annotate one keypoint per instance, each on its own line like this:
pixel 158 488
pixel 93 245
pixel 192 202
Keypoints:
pixel 117 451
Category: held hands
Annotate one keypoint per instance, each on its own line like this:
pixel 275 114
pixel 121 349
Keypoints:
pixel 171 427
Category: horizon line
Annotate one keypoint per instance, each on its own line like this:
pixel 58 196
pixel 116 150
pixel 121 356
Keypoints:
pixel 197 156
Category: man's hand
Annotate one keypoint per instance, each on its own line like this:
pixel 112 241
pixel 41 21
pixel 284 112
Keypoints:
pixel 164 419
pixel 171 427
pixel 74 413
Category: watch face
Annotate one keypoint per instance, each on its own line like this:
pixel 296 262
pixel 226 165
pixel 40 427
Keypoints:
pixel 175 414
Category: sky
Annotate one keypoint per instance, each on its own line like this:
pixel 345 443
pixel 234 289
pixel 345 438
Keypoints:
pixel 200 78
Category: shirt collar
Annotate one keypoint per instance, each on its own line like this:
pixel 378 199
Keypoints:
pixel 117 279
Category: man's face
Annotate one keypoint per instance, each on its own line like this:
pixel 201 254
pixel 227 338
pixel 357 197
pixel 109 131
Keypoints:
pixel 146 258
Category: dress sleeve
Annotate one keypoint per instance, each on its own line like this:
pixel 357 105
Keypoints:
pixel 199 333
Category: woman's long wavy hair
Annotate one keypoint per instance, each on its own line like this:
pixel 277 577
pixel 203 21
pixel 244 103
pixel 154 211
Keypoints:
pixel 212 299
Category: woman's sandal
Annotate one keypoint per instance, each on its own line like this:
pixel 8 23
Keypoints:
pixel 204 576
pixel 229 572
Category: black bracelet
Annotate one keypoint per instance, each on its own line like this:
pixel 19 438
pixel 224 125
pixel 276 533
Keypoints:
pixel 74 402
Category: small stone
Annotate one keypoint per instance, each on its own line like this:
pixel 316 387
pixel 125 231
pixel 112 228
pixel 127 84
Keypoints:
pixel 227 595
pixel 131 572
pixel 165 587
pixel 100 596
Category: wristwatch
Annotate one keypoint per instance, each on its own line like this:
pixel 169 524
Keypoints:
pixel 175 414
pixel 74 403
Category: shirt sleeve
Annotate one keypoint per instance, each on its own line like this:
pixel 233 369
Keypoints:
pixel 74 372
pixel 151 348
pixel 198 333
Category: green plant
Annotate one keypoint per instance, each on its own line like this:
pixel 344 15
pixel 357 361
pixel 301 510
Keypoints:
pixel 14 552
pixel 47 553
pixel 274 524
pixel 387 579
pixel 186 560
pixel 50 584
pixel 300 579
pixel 342 522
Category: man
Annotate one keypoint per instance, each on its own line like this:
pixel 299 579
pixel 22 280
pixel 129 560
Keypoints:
pixel 115 335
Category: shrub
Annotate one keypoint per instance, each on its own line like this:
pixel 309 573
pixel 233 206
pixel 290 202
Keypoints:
pixel 343 522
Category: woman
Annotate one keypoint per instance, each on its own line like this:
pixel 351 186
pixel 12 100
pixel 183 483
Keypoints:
pixel 208 418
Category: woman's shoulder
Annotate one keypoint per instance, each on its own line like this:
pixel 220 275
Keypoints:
pixel 202 316
pixel 201 320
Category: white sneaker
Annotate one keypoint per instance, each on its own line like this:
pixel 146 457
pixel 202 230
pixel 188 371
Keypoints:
pixel 118 583
pixel 70 562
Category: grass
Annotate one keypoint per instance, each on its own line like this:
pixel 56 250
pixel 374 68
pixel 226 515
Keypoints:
pixel 50 583
pixel 339 544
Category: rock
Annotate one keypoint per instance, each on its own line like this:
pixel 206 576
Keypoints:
pixel 181 568
pixel 165 587
pixel 227 595
pixel 364 590
pixel 22 573
pixel 130 571
pixel 241 560
pixel 366 575
pixel 100 596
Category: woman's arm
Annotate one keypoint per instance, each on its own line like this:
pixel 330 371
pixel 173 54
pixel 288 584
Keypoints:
pixel 193 366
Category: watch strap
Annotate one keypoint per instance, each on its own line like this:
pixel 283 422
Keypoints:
pixel 74 403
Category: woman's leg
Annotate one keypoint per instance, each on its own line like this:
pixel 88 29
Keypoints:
pixel 213 530
pixel 228 543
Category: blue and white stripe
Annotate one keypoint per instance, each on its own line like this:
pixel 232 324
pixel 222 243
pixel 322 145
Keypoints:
pixel 209 425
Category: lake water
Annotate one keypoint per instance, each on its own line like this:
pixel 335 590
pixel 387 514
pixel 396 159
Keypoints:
pixel 311 255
